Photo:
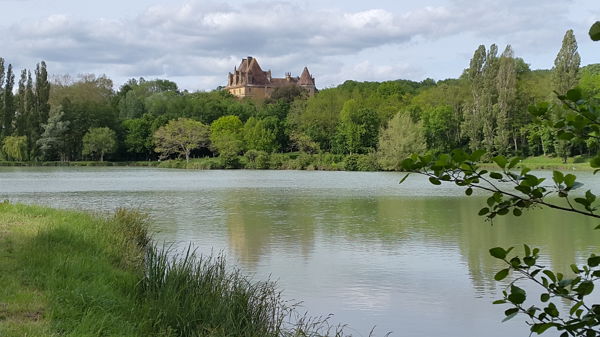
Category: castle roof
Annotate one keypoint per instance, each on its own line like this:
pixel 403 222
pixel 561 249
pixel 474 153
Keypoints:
pixel 306 78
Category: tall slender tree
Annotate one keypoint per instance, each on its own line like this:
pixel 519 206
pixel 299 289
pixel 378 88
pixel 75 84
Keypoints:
pixel 9 103
pixel 506 86
pixel 33 129
pixel 489 97
pixel 471 127
pixel 2 79
pixel 21 112
pixel 566 65
pixel 564 77
pixel 42 95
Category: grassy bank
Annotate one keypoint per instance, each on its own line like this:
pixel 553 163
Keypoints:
pixel 300 161
pixel 65 273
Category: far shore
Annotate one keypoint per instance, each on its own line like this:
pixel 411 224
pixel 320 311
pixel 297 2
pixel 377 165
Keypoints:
pixel 295 161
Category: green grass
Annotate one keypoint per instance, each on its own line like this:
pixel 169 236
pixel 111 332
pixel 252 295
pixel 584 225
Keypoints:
pixel 577 163
pixel 65 273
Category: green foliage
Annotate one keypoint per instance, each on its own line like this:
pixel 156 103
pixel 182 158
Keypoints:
pixel 181 137
pixel 53 142
pixel 357 130
pixel 99 142
pixel 139 131
pixel 227 138
pixel 15 147
pixel 400 138
pixel 261 134
pixel 514 190
pixel 566 65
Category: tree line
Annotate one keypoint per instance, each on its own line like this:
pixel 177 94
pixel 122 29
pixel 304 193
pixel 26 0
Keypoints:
pixel 68 119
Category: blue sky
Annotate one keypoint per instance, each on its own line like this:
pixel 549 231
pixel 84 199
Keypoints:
pixel 196 43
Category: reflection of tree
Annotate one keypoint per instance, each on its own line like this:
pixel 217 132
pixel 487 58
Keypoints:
pixel 261 223
pixel 446 222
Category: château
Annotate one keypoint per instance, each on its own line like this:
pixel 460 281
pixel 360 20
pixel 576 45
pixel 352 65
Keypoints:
pixel 249 80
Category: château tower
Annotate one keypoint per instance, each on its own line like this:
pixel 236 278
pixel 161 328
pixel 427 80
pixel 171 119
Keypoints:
pixel 249 80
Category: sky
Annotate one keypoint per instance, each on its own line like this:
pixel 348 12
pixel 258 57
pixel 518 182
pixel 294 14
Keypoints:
pixel 197 43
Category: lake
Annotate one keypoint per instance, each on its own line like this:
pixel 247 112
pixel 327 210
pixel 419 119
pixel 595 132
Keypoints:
pixel 411 259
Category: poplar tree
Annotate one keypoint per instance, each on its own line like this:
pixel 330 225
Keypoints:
pixel 566 65
pixel 489 97
pixel 32 129
pixel 564 78
pixel 2 79
pixel 21 113
pixel 506 86
pixel 42 95
pixel 9 103
pixel 471 127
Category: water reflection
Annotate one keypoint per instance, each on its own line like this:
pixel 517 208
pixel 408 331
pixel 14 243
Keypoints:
pixel 403 258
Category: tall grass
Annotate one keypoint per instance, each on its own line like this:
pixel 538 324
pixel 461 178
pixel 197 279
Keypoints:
pixel 194 295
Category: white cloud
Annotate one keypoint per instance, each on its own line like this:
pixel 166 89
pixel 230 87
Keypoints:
pixel 204 39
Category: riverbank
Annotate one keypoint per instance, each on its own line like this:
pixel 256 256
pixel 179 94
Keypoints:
pixel 300 161
pixel 73 274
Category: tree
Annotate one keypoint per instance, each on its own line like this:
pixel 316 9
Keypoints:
pixel 180 137
pixel 15 147
pixel 506 86
pixel 358 129
pixel 9 103
pixel 514 189
pixel 400 138
pixel 564 77
pixel 566 65
pixel 53 141
pixel 226 136
pixel 138 137
pixel 99 141
pixel 261 134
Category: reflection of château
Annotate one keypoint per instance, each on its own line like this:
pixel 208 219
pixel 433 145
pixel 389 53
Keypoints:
pixel 249 80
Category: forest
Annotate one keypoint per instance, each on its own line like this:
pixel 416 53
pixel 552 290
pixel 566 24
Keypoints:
pixel 354 126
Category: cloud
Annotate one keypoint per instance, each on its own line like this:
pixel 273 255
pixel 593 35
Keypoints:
pixel 204 39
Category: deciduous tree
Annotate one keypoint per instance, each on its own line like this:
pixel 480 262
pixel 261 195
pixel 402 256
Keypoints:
pixel 99 142
pixel 181 137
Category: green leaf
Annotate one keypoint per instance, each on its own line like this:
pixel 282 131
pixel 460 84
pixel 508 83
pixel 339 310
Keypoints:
pixel 574 94
pixel 510 313
pixel 469 191
pixel 545 297
pixel 529 261
pixel 495 175
pixel 476 156
pixel 500 161
pixel 595 162
pixel 558 177
pixel 517 212
pixel 513 162
pixel 499 302
pixel 498 252
pixel 595 31
pixel 540 328
pixel 501 275
pixel 570 180
pixel 575 307
pixel 550 275
pixel 435 181
pixel 484 211
pixel 405 177
pixel 575 269
pixel 517 295
pixel 585 288
pixel 594 261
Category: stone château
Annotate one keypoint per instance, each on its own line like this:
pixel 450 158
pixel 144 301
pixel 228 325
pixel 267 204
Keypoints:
pixel 249 80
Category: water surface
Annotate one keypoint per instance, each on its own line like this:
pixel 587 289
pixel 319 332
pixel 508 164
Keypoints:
pixel 410 258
